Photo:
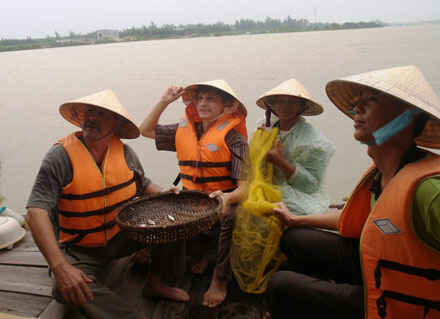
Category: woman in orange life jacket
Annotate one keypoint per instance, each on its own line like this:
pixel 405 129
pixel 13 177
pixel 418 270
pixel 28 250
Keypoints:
pixel 210 142
pixel 384 262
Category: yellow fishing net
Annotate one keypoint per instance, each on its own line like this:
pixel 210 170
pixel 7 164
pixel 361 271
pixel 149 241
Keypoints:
pixel 255 252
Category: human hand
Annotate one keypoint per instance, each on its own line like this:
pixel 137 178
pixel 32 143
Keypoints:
pixel 283 213
pixel 275 155
pixel 224 200
pixel 72 283
pixel 174 189
pixel 171 94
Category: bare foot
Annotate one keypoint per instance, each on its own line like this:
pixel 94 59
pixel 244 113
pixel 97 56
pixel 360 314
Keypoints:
pixel 267 315
pixel 156 288
pixel 200 267
pixel 216 292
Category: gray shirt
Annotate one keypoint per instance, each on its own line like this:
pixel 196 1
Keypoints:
pixel 56 172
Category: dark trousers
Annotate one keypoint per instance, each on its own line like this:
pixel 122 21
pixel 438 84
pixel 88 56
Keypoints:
pixel 324 279
pixel 92 261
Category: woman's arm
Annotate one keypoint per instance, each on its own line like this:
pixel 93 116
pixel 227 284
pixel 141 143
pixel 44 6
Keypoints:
pixel 148 125
pixel 327 220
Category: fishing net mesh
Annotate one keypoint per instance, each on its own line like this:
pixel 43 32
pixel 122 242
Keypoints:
pixel 255 252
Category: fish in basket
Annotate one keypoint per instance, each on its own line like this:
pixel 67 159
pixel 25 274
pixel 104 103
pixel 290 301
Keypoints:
pixel 168 217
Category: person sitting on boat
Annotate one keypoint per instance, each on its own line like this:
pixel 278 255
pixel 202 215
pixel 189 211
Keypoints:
pixel 301 153
pixel 82 180
pixel 210 142
pixel 384 262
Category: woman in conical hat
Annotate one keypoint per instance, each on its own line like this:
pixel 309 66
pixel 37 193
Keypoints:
pixel 301 153
pixel 210 142
pixel 388 234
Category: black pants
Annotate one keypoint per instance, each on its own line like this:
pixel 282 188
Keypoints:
pixel 92 261
pixel 324 277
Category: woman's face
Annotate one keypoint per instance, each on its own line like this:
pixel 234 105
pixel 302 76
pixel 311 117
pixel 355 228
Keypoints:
pixel 286 107
pixel 372 111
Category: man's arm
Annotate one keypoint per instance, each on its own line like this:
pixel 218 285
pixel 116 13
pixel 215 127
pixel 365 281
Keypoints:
pixel 153 189
pixel 55 172
pixel 70 281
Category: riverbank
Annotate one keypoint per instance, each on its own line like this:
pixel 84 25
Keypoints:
pixel 169 31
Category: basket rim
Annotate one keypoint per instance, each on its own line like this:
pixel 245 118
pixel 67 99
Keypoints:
pixel 141 198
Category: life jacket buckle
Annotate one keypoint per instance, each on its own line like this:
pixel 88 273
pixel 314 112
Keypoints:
pixel 381 306
pixel 378 275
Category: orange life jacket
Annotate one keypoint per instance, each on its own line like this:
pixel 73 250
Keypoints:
pixel 205 164
pixel 401 273
pixel 87 205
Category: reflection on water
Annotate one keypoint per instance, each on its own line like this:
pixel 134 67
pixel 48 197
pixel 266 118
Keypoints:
pixel 35 83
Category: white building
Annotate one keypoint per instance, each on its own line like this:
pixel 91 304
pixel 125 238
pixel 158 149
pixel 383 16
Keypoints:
pixel 107 35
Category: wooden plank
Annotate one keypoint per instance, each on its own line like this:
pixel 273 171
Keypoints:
pixel 25 288
pixel 23 258
pixel 9 316
pixel 54 310
pixel 22 304
pixel 25 280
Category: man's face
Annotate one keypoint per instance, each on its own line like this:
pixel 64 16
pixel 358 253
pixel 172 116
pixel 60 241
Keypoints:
pixel 98 123
pixel 372 111
pixel 209 105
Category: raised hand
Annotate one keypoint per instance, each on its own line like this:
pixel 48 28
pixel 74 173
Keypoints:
pixel 171 94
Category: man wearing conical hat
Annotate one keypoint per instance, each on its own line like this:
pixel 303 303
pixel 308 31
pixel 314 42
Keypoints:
pixel 210 142
pixel 383 260
pixel 83 179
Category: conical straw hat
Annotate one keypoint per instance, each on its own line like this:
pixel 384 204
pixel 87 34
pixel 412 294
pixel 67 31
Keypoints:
pixel 293 88
pixel 222 85
pixel 107 100
pixel 406 83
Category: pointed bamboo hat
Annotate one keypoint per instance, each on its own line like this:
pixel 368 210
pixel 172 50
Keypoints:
pixel 293 88
pixel 191 90
pixel 406 84
pixel 73 111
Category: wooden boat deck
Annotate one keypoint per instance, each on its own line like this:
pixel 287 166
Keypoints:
pixel 25 290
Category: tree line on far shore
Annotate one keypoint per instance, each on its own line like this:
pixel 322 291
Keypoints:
pixel 242 26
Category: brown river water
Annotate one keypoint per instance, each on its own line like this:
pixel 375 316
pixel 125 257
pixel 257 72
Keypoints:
pixel 34 83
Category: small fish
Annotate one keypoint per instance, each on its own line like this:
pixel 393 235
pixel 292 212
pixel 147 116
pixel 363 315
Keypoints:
pixel 151 222
pixel 171 218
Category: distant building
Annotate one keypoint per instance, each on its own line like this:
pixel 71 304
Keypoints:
pixel 107 35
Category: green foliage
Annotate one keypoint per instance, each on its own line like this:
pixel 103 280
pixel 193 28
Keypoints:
pixel 242 26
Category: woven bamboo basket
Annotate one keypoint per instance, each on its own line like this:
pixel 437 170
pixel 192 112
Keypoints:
pixel 168 217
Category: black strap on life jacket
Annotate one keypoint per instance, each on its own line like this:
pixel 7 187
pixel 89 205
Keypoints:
pixel 201 180
pixel 428 304
pixel 430 274
pixel 205 164
pixel 97 212
pixel 84 232
pixel 99 193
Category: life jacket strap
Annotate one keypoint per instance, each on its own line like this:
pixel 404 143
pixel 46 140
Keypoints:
pixel 205 164
pixel 430 274
pixel 201 180
pixel 84 232
pixel 428 304
pixel 102 192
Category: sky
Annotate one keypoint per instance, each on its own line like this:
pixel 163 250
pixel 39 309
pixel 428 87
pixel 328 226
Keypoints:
pixel 39 18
